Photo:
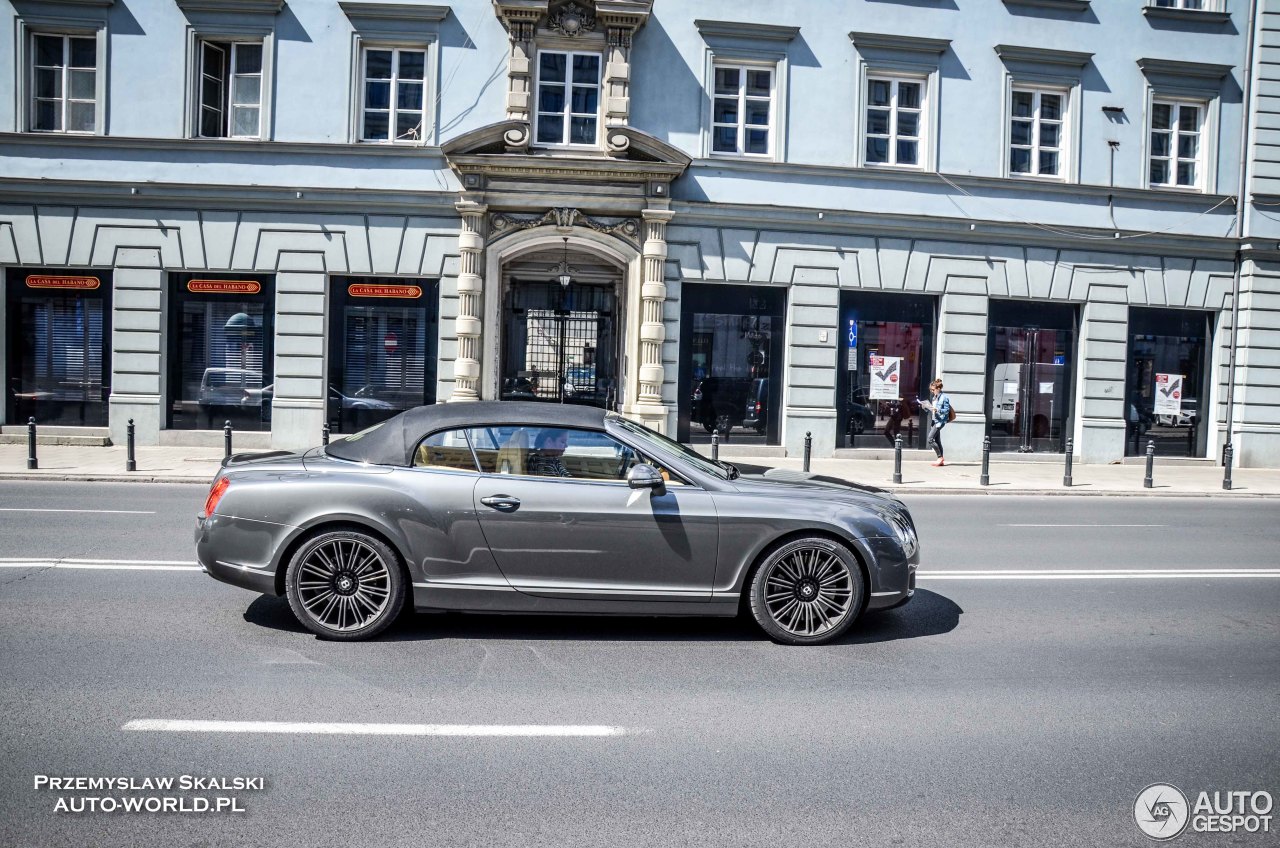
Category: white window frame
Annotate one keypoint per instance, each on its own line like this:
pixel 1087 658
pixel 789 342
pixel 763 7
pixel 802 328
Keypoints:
pixel 923 128
pixel 424 123
pixel 771 127
pixel 569 114
pixel 90 22
pixel 233 34
pixel 64 99
pixel 228 86
pixel 1202 159
pixel 1066 133
pixel 1188 5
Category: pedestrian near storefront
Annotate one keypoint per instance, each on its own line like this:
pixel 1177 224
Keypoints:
pixel 940 415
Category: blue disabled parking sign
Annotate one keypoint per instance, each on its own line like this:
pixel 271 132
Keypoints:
pixel 853 333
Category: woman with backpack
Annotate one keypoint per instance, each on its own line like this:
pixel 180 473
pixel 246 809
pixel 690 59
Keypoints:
pixel 941 414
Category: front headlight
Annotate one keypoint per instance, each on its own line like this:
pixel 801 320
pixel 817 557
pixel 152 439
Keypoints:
pixel 905 533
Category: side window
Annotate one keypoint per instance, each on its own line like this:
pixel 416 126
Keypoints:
pixel 446 449
pixel 551 452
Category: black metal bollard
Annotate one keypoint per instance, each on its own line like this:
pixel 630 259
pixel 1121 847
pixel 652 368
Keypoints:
pixel 324 434
pixel 1147 482
pixel 715 446
pixel 32 462
pixel 130 461
pixel 1228 454
pixel 985 478
pixel 1066 477
pixel 897 459
pixel 226 439
pixel 808 449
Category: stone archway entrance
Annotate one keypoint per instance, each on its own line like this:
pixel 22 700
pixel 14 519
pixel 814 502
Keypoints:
pixel 561 329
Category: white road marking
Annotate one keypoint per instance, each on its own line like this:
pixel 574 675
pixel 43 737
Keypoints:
pixel 362 729
pixel 102 564
pixel 96 511
pixel 1099 574
pixel 1084 525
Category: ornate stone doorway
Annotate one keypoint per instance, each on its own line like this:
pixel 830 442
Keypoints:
pixel 562 329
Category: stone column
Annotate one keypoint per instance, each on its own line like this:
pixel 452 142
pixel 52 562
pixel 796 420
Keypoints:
pixel 136 353
pixel 468 324
pixel 962 364
pixel 1100 399
pixel 617 72
pixel 520 25
pixel 1257 401
pixel 647 406
pixel 301 385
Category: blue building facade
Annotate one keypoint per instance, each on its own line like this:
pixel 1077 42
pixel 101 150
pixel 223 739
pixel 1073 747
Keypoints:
pixel 757 218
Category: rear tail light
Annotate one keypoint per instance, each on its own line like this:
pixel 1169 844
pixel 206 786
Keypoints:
pixel 758 407
pixel 219 489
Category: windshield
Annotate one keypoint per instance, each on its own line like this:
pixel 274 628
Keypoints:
pixel 650 439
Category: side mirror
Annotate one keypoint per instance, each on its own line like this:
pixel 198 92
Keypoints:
pixel 646 477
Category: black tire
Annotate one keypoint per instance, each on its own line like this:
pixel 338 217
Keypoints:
pixel 365 589
pixel 709 426
pixel 807 592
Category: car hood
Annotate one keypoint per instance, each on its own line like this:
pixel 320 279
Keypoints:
pixel 773 481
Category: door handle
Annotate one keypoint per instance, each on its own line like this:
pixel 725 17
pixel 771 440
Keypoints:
pixel 502 503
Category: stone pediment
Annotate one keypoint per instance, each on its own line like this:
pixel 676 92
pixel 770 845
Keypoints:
pixel 501 150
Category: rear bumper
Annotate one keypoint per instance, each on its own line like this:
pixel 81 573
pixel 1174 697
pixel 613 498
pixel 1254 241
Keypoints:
pixel 239 551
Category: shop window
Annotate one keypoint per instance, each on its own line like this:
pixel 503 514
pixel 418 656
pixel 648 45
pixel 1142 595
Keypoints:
pixel 58 356
pixel 1030 382
pixel 1167 381
pixel 731 349
pixel 220 345
pixel 383 336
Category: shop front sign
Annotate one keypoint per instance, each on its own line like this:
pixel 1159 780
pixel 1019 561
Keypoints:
pixel 375 290
pixel 224 286
pixel 38 281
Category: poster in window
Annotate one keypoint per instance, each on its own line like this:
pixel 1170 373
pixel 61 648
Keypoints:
pixel 886 377
pixel 1168 397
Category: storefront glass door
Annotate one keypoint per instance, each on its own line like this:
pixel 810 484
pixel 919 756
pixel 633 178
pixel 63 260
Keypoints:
pixel 1030 381
pixel 58 357
pixel 876 327
pixel 560 343
pixel 731 349
pixel 1165 344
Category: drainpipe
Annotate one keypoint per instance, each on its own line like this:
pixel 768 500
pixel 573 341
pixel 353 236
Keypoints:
pixel 1245 124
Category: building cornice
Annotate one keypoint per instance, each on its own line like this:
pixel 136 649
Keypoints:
pixel 383 11
pixel 49 141
pixel 1061 5
pixel 251 7
pixel 1179 68
pixel 902 43
pixel 1042 56
pixel 747 31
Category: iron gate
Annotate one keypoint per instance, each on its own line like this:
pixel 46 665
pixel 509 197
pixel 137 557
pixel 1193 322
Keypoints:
pixel 560 344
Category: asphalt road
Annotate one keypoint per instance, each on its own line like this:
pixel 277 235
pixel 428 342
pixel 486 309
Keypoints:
pixel 986 712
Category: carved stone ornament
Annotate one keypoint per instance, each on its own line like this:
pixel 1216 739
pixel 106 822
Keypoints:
pixel 564 218
pixel 571 20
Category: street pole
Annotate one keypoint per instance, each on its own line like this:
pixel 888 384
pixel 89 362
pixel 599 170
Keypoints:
pixel 897 458
pixel 808 449
pixel 226 440
pixel 1066 477
pixel 985 479
pixel 32 462
pixel 130 462
pixel 1147 482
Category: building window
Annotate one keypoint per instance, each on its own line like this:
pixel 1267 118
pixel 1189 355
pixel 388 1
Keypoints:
pixel 568 97
pixel 1036 128
pixel 230 89
pixel 742 110
pixel 895 121
pixel 1204 5
pixel 1175 150
pixel 394 100
pixel 65 83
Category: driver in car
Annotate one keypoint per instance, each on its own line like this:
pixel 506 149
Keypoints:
pixel 544 459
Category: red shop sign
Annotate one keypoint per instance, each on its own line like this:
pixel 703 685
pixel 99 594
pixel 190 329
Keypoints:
pixel 369 290
pixel 40 282
pixel 224 286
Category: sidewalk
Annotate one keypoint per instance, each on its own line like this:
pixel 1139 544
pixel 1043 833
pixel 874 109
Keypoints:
pixel 199 465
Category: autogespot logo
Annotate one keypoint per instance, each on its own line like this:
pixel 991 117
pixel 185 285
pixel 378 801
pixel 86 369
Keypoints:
pixel 1161 811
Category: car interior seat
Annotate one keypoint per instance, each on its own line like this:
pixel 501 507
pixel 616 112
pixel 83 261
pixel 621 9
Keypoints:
pixel 512 454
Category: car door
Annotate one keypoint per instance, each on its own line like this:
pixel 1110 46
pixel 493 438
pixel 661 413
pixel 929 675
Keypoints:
pixel 562 521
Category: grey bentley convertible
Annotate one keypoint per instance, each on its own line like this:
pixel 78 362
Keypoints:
pixel 528 507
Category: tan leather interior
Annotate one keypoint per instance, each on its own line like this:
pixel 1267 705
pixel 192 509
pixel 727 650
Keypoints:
pixel 511 456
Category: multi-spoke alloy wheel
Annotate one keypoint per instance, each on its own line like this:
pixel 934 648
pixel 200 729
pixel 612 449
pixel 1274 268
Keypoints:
pixel 345 585
pixel 806 592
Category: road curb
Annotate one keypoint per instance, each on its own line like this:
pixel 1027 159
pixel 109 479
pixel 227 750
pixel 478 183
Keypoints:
pixel 139 477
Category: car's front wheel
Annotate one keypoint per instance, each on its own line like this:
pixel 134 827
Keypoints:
pixel 807 592
pixel 345 585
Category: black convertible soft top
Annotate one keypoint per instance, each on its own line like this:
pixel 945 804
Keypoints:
pixel 393 441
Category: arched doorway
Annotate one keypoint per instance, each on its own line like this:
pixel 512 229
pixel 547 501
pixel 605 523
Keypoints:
pixel 561 316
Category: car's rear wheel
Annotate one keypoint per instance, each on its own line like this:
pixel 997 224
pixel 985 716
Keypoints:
pixel 807 592
pixel 345 585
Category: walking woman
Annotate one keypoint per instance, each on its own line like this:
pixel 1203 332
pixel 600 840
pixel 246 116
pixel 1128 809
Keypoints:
pixel 940 415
